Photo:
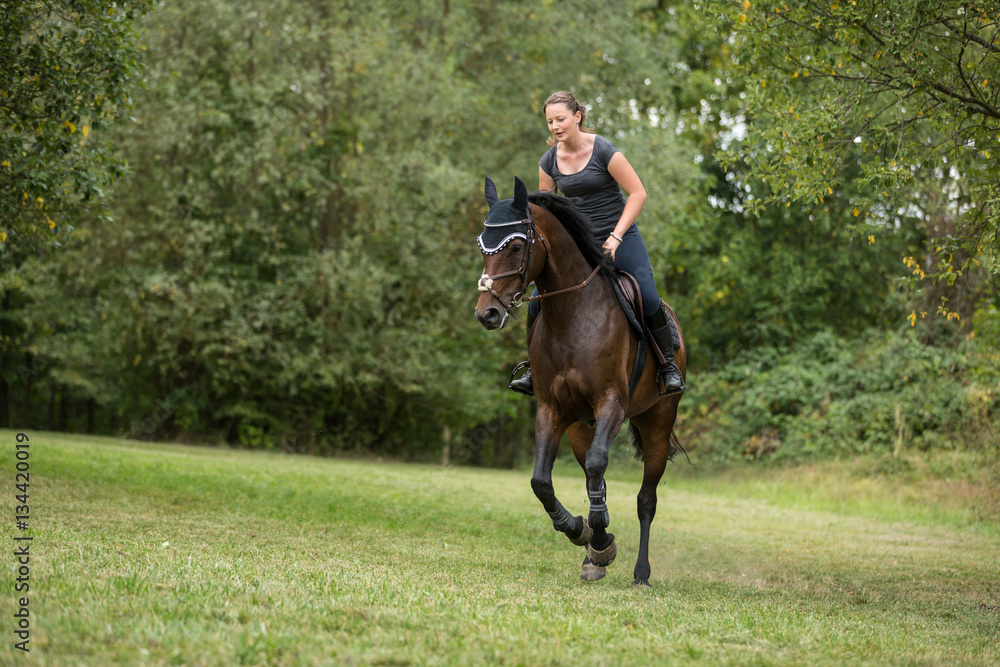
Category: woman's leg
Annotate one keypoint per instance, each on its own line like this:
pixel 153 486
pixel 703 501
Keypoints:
pixel 633 258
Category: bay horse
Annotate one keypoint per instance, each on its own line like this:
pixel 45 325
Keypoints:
pixel 582 349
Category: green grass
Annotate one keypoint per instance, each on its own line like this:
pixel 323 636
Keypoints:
pixel 165 554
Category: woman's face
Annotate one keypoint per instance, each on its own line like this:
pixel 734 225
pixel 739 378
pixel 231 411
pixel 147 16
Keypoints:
pixel 563 124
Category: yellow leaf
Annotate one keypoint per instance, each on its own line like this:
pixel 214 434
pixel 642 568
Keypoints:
pixel 871 240
pixel 913 319
pixel 138 358
pixel 85 130
pixel 856 211
pixel 746 5
pixel 3 236
pixel 6 163
pixel 52 223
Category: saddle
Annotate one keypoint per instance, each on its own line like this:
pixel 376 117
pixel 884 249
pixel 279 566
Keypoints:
pixel 630 299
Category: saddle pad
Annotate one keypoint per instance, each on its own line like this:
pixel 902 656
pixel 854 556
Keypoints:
pixel 630 299
pixel 627 290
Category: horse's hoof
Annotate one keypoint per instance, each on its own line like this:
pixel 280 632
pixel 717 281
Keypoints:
pixel 643 583
pixel 584 538
pixel 603 558
pixel 591 572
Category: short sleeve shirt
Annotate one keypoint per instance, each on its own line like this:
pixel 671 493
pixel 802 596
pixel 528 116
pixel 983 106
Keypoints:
pixel 597 190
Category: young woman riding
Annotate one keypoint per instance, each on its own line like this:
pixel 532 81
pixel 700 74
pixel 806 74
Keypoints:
pixel 588 167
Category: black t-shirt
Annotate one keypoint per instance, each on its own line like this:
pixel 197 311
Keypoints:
pixel 600 197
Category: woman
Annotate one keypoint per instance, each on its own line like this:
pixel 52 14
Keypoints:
pixel 586 166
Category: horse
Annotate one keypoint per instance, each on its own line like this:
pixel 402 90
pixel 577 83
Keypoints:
pixel 581 351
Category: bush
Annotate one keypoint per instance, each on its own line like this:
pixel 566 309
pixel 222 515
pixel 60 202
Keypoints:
pixel 831 396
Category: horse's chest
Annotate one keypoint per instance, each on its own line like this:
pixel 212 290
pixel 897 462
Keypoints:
pixel 567 392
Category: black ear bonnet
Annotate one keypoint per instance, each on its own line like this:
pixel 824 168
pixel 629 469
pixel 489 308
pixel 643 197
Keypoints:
pixel 507 220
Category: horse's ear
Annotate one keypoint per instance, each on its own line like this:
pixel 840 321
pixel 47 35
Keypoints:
pixel 491 193
pixel 520 195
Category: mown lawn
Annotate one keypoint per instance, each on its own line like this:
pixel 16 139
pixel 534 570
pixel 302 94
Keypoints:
pixel 165 554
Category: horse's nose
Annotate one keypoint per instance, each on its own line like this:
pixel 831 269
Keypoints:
pixel 491 318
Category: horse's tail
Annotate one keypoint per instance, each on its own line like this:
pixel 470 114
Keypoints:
pixel 675 446
pixel 675 443
pixel 636 439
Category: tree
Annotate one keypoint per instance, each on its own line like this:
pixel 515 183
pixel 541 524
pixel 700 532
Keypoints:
pixel 900 94
pixel 295 254
pixel 67 69
pixel 67 72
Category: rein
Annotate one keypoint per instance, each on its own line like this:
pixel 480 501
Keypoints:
pixel 539 297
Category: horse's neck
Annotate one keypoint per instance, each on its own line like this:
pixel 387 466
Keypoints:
pixel 565 268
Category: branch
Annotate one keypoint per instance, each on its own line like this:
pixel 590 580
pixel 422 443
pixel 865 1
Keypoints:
pixel 972 37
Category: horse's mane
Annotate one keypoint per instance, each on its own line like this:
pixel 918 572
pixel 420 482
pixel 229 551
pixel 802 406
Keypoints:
pixel 578 224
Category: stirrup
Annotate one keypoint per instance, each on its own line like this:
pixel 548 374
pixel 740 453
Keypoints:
pixel 661 380
pixel 523 384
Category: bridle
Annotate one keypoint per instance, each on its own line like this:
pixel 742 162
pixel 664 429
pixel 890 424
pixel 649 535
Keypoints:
pixel 486 281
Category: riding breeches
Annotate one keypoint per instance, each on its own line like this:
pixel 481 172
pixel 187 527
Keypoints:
pixel 631 257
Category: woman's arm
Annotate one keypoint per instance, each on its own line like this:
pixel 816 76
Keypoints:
pixel 545 182
pixel 628 180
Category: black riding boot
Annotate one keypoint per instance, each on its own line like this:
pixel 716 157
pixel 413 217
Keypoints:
pixel 669 379
pixel 523 384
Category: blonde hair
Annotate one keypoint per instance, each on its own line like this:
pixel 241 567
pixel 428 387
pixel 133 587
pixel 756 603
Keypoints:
pixel 566 98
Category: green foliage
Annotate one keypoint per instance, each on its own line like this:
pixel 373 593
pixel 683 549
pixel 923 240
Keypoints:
pixel 291 263
pixel 288 265
pixel 781 276
pixel 902 90
pixel 66 69
pixel 986 339
pixel 828 396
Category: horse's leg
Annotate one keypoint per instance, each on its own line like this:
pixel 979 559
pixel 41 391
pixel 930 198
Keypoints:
pixel 548 431
pixel 609 416
pixel 581 436
pixel 654 431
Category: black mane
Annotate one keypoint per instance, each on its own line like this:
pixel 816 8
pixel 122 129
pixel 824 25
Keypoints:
pixel 578 225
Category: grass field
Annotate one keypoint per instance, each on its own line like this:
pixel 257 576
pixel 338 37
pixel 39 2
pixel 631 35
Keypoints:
pixel 163 554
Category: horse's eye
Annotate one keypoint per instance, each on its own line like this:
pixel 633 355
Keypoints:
pixel 516 248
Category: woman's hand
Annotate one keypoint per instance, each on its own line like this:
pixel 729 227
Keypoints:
pixel 610 246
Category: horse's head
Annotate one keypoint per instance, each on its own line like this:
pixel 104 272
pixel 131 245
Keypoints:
pixel 509 263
